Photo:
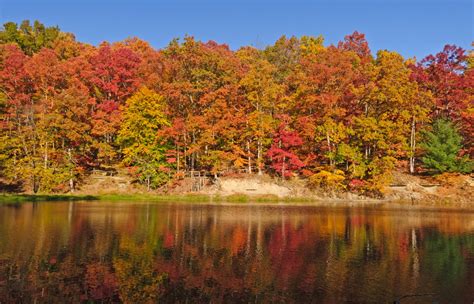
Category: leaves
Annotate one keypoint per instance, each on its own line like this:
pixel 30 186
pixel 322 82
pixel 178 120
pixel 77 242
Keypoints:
pixel 282 156
pixel 291 109
pixel 143 118
pixel 29 38
pixel 442 146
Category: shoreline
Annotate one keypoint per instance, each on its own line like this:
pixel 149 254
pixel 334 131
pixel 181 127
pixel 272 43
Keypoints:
pixel 238 199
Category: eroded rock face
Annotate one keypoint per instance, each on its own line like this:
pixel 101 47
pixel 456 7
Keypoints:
pixel 252 187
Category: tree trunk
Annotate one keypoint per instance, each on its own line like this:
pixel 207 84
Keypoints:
pixel 177 158
pixel 185 153
pixel 259 157
pixel 283 163
pixel 71 176
pixel 36 183
pixel 259 142
pixel 193 155
pixel 329 147
pixel 249 158
pixel 46 155
pixel 412 146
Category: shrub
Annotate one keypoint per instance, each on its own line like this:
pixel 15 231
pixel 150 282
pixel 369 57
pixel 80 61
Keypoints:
pixel 357 185
pixel 449 179
pixel 328 181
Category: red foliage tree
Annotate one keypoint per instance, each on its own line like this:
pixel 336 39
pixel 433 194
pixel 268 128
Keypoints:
pixel 443 75
pixel 282 152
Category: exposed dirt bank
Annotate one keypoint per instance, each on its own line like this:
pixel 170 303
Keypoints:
pixel 433 192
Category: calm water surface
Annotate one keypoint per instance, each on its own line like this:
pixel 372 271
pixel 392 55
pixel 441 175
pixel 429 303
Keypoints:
pixel 140 252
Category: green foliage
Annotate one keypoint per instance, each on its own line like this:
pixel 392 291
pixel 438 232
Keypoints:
pixel 442 146
pixel 237 198
pixel 29 38
pixel 447 261
pixel 355 164
pixel 143 117
pixel 19 198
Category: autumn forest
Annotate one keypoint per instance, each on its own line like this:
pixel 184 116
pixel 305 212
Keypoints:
pixel 332 114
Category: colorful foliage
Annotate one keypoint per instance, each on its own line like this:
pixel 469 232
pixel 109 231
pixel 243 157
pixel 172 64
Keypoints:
pixel 67 107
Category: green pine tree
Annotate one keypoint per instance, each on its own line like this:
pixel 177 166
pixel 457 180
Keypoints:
pixel 442 146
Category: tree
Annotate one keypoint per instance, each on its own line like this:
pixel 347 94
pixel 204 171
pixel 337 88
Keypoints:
pixel 67 107
pixel 448 76
pixel 143 118
pixel 444 75
pixel 201 89
pixel 284 55
pixel 282 154
pixel 442 146
pixel 322 100
pixel 357 43
pixel 69 127
pixel 112 78
pixel 29 38
pixel 396 102
pixel 263 95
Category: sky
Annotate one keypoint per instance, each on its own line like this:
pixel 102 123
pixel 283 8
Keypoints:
pixel 412 28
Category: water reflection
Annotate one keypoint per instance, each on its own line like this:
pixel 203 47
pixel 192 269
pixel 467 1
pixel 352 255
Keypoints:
pixel 111 252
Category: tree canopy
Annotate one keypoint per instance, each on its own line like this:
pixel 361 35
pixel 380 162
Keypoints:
pixel 295 108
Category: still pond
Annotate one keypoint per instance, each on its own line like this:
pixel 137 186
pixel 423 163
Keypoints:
pixel 202 253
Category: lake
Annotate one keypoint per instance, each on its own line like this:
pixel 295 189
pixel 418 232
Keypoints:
pixel 200 253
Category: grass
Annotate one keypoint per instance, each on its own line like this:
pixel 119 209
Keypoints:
pixel 237 198
pixel 233 198
pixel 203 198
pixel 155 197
pixel 18 198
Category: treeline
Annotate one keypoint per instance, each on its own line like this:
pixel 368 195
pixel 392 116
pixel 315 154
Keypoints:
pixel 336 114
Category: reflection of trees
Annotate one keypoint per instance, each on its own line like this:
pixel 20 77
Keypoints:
pixel 137 279
pixel 445 256
pixel 101 282
pixel 145 253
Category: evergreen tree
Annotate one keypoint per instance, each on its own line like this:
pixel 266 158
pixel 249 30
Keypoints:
pixel 442 146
